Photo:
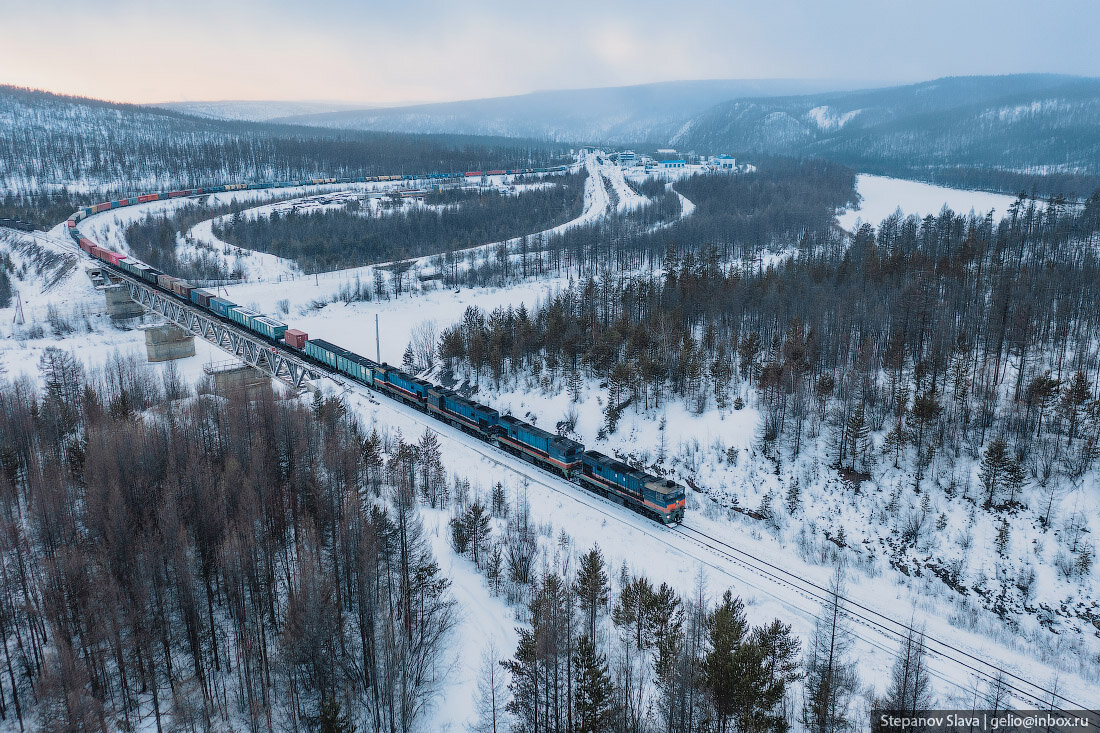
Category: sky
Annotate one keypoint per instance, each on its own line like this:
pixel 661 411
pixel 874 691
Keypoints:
pixel 389 52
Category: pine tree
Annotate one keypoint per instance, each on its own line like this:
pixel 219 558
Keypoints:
pixel 478 531
pixel 494 569
pixel 592 588
pixel 575 385
pixel 926 409
pixel 724 665
pixel 408 360
pixel 499 501
pixel 332 718
pixel 1039 395
pixel 1077 393
pixel 858 435
pixel 794 497
pixel 594 694
pixel 994 469
pixel 630 609
pixel 896 440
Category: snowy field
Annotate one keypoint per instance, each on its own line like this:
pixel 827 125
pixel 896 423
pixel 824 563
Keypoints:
pixel 695 446
pixel 883 196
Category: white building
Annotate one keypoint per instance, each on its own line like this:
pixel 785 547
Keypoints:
pixel 627 158
pixel 669 164
pixel 724 162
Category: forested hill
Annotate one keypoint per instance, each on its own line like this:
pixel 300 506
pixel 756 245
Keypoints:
pixel 1031 132
pixel 989 132
pixel 643 112
pixel 50 142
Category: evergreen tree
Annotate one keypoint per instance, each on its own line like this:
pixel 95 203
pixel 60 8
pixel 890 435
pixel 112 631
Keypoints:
pixel 592 588
pixel 594 694
pixel 858 435
pixel 1076 395
pixel 994 469
pixel 896 440
pixel 499 503
pixel 726 664
pixel 1040 395
pixel 408 360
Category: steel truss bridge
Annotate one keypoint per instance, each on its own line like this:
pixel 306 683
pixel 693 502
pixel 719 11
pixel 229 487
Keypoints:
pixel 250 349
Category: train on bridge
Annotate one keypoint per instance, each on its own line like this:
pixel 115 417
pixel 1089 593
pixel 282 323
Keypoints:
pixel 655 497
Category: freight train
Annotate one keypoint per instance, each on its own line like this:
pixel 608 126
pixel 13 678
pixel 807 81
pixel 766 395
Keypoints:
pixel 652 496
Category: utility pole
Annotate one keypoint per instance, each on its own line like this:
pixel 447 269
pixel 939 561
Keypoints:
pixel 377 342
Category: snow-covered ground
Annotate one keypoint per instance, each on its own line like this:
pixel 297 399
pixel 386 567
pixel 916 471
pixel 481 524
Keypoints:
pixel 713 449
pixel 883 196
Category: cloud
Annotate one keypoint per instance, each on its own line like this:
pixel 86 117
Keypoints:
pixel 375 52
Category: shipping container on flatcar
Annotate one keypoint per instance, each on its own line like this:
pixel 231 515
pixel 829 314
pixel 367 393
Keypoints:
pixel 113 257
pixel 201 297
pixel 295 338
pixel 221 306
pixel 183 289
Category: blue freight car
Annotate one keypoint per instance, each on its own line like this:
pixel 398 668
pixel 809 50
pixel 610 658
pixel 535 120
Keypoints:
pixel 324 352
pixel 355 366
pixel 243 317
pixel 269 327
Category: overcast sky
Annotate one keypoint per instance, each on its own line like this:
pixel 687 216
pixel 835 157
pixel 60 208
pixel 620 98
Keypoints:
pixel 434 50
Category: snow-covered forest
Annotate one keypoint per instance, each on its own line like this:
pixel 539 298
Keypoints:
pixel 900 416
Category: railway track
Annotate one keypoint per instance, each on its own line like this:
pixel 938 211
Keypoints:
pixel 874 629
pixel 804 597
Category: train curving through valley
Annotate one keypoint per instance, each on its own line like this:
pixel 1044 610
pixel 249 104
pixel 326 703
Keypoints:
pixel 652 496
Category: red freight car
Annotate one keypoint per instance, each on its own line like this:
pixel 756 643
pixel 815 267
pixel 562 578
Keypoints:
pixel 495 173
pixel 113 257
pixel 295 338
pixel 471 174
pixel 148 197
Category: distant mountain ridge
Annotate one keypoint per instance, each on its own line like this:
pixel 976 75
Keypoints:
pixel 1003 132
pixel 641 113
pixel 1030 123
pixel 251 111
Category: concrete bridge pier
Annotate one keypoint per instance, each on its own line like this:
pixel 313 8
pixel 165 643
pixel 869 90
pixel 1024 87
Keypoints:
pixel 119 304
pixel 168 342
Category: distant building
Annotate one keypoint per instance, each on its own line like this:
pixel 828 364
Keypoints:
pixel 726 162
pixel 666 151
pixel 667 164
pixel 627 158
